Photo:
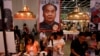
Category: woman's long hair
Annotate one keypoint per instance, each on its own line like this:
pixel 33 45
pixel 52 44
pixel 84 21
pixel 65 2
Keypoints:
pixel 29 36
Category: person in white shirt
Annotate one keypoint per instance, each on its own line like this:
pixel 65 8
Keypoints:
pixel 57 43
pixel 43 40
pixel 42 35
pixel 51 43
pixel 92 43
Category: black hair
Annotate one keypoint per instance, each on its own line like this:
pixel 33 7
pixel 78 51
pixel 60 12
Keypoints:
pixel 59 33
pixel 82 34
pixel 29 36
pixel 43 8
pixel 54 35
pixel 93 33
pixel 16 26
pixel 24 24
pixel 88 33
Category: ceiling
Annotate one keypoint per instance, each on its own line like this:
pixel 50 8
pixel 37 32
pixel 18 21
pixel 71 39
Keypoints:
pixel 68 5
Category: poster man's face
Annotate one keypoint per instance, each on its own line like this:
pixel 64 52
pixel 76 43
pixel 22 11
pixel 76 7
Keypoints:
pixel 49 13
pixel 97 5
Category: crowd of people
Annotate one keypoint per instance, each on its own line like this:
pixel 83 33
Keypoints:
pixel 85 45
pixel 52 44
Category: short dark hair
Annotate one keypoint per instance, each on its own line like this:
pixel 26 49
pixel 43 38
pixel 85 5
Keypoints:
pixel 29 36
pixel 82 34
pixel 44 6
pixel 24 24
pixel 59 33
pixel 16 26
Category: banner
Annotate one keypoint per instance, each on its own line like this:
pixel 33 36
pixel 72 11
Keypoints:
pixel 49 14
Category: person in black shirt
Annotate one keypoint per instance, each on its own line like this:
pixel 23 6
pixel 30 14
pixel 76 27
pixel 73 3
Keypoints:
pixel 17 32
pixel 78 46
pixel 49 14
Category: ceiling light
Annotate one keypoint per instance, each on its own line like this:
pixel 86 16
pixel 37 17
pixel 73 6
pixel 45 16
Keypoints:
pixel 25 14
pixel 77 14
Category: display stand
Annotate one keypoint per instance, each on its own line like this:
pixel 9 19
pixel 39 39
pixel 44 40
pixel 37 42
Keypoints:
pixel 10 42
pixel 2 50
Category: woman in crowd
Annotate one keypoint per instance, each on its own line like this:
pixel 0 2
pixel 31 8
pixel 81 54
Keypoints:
pixel 51 43
pixel 25 29
pixel 32 46
pixel 92 44
pixel 59 44
pixel 43 40
pixel 56 44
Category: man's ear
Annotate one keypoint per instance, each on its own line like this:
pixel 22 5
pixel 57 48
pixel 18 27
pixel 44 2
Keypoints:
pixel 43 14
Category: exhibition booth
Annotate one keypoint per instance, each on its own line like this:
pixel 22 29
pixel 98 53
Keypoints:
pixel 72 17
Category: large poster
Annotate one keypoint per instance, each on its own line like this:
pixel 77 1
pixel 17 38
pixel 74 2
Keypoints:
pixel 49 14
pixel 95 10
pixel 95 14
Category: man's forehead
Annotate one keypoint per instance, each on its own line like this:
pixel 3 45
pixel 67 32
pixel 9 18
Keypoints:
pixel 49 7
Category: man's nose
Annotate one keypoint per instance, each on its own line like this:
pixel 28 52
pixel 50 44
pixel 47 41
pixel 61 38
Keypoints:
pixel 49 13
